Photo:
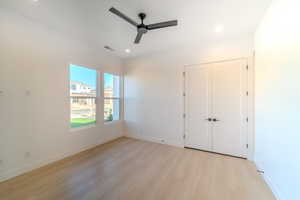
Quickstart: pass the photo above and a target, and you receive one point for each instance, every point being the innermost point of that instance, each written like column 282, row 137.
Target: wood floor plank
column 129, row 169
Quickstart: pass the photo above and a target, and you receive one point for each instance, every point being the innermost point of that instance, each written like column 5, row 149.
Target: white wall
column 34, row 103
column 154, row 87
column 277, row 86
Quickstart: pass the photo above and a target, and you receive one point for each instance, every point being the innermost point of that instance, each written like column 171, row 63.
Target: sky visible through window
column 83, row 74
column 108, row 80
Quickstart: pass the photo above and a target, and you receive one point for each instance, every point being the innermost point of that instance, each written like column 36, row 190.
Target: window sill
column 82, row 128
column 112, row 122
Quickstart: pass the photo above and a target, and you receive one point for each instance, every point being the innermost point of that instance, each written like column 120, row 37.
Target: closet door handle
column 215, row 120
column 209, row 119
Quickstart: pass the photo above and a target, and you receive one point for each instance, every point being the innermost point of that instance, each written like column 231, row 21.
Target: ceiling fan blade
column 138, row 38
column 123, row 16
column 162, row 25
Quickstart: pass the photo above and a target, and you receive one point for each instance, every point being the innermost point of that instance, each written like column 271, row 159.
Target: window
column 83, row 87
column 111, row 97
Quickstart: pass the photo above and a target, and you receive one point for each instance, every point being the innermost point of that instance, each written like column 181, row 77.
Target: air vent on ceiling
column 108, row 48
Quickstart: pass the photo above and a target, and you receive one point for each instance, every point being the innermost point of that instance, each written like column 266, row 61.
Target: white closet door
column 197, row 106
column 229, row 83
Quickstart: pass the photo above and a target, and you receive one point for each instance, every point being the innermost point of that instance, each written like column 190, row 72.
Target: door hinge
column 247, row 93
column 184, row 115
column 247, row 120
column 247, row 67
column 183, row 94
column 183, row 73
column 184, row 136
column 247, row 146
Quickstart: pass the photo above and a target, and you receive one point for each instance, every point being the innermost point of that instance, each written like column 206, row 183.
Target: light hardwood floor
column 128, row 169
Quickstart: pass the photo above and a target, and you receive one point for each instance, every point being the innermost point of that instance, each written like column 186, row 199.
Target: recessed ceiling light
column 127, row 50
column 35, row 0
column 219, row 28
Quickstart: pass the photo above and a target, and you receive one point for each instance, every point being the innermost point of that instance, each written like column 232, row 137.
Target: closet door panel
column 197, row 108
column 228, row 102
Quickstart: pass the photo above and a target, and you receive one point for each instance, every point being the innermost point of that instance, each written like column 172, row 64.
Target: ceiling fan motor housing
column 142, row 28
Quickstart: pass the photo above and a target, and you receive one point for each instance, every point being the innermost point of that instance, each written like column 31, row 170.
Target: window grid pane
column 83, row 89
column 111, row 97
column 83, row 111
column 111, row 85
column 111, row 109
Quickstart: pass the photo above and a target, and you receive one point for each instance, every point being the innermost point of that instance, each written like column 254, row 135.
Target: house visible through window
column 83, row 87
column 111, row 97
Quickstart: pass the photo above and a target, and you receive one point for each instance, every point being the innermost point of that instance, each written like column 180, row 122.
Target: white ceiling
column 90, row 20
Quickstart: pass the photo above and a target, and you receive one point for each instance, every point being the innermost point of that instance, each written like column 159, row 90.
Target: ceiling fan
column 142, row 28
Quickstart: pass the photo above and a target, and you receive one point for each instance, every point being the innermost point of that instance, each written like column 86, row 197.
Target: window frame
column 119, row 98
column 96, row 99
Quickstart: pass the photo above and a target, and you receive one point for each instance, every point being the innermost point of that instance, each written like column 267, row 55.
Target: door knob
column 209, row 119
column 215, row 120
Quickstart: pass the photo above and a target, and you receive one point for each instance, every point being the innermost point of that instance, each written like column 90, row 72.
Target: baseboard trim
column 222, row 154
column 9, row 174
column 170, row 142
column 268, row 179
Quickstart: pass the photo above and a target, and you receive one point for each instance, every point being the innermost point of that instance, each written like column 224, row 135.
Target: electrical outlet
column 28, row 93
column 27, row 155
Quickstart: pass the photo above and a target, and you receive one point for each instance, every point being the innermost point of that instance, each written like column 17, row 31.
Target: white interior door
column 229, row 86
column 197, row 105
column 217, row 91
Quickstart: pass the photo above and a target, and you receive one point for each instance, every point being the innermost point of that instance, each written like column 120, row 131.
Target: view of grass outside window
column 111, row 97
column 83, row 82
